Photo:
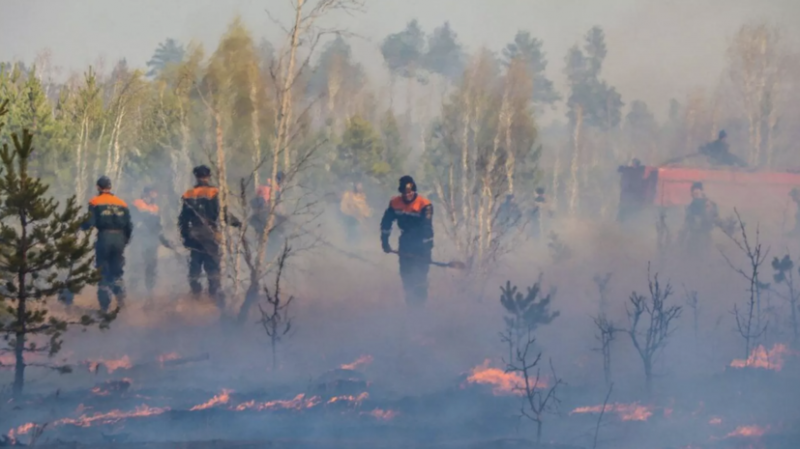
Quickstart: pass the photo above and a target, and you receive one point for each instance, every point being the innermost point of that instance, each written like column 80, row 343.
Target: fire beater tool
column 452, row 264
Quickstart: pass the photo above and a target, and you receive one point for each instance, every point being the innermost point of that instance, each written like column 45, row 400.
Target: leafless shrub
column 749, row 330
column 605, row 337
column 275, row 317
column 658, row 317
column 693, row 303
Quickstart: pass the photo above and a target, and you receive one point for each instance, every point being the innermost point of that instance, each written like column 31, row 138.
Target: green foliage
column 395, row 152
column 403, row 51
column 445, row 55
column 360, row 152
column 168, row 53
column 42, row 252
column 529, row 50
column 529, row 311
column 601, row 104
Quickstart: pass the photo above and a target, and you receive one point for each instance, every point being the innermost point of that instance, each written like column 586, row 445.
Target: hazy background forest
column 649, row 104
column 476, row 100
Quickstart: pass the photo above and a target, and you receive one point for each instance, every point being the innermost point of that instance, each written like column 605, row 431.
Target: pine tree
column 168, row 53
column 38, row 244
column 360, row 151
column 445, row 55
column 528, row 49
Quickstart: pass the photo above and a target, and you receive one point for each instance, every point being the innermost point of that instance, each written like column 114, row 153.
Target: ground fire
column 761, row 358
column 365, row 224
column 502, row 383
column 626, row 412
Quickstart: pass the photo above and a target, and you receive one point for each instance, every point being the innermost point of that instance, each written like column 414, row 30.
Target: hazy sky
column 658, row 49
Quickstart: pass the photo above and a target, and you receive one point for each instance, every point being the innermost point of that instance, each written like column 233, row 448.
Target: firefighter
column 540, row 207
column 795, row 196
column 261, row 205
column 414, row 215
column 148, row 224
column 201, row 231
column 702, row 216
column 355, row 211
column 112, row 219
column 719, row 153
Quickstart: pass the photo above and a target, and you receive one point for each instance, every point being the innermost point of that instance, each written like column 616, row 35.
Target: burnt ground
column 118, row 412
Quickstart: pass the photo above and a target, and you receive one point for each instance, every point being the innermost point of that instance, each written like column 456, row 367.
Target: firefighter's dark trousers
column 150, row 262
column 110, row 260
column 352, row 229
column 415, row 257
column 205, row 257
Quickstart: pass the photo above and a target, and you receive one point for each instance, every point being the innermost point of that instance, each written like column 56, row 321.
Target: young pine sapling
column 38, row 243
column 654, row 313
column 524, row 314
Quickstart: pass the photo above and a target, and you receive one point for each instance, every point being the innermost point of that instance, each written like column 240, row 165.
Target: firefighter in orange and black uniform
column 112, row 219
column 148, row 222
column 414, row 215
column 200, row 231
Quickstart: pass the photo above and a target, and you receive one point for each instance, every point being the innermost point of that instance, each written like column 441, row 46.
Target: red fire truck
column 761, row 194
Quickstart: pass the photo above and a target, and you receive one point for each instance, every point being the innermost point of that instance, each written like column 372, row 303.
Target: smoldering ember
column 599, row 224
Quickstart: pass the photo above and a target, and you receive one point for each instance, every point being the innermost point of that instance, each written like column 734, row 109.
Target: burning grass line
column 502, row 383
column 626, row 412
column 762, row 359
column 748, row 432
column 96, row 419
column 219, row 399
column 361, row 361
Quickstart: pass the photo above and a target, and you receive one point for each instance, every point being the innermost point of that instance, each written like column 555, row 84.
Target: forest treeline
column 463, row 121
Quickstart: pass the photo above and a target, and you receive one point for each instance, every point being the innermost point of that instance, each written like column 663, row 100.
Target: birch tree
column 757, row 68
column 485, row 130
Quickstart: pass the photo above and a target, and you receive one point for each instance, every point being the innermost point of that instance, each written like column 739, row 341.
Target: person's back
column 112, row 219
column 199, row 217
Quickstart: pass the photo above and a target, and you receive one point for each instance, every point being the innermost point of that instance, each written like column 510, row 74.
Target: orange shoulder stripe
column 206, row 192
column 397, row 202
column 415, row 206
column 144, row 207
column 107, row 199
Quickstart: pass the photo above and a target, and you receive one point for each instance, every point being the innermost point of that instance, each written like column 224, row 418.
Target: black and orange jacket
column 146, row 216
column 201, row 210
column 415, row 219
column 107, row 212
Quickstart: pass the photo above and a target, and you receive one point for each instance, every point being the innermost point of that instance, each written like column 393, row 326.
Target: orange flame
column 361, row 361
column 354, row 399
column 748, row 432
column 219, row 399
column 21, row 430
column 384, row 415
column 299, row 402
column 761, row 358
column 501, row 381
column 715, row 421
column 626, row 412
column 102, row 418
